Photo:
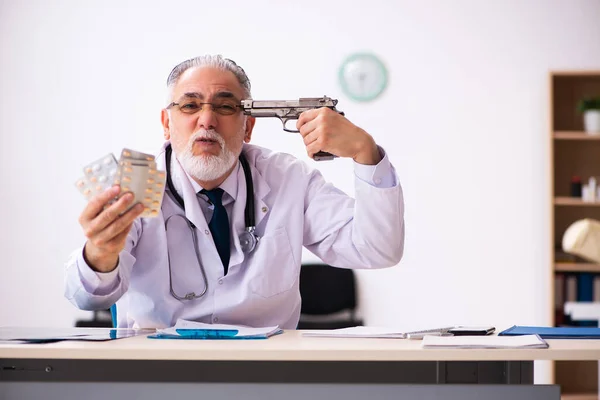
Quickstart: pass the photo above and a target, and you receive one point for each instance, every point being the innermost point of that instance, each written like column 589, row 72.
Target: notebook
column 184, row 329
column 484, row 342
column 563, row 332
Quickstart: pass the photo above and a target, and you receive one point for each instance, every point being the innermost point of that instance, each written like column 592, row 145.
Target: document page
column 377, row 332
column 357, row 332
column 485, row 342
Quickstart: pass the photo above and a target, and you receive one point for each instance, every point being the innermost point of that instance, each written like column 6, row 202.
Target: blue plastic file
column 207, row 333
column 198, row 334
column 184, row 329
column 563, row 332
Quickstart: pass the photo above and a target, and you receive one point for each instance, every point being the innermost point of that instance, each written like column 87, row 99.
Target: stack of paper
column 485, row 342
column 377, row 332
column 358, row 332
column 197, row 330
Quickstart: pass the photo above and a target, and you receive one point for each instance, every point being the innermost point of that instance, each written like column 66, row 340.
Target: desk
column 285, row 366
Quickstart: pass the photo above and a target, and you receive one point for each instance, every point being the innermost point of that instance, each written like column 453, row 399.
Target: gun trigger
column 284, row 121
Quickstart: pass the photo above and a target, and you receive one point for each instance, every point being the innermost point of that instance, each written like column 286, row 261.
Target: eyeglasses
column 193, row 106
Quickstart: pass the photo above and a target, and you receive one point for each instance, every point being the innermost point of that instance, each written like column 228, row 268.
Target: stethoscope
column 248, row 239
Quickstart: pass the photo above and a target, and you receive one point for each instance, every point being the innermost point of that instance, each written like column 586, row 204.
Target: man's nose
column 207, row 118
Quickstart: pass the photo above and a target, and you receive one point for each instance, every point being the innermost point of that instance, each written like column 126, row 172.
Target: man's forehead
column 221, row 94
column 204, row 82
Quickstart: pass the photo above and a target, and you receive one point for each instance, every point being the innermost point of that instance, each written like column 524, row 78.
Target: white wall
column 464, row 120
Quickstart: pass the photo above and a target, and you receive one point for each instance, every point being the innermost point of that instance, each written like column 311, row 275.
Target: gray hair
column 214, row 61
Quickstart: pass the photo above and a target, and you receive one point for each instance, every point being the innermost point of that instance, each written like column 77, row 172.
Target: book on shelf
column 574, row 287
column 585, row 293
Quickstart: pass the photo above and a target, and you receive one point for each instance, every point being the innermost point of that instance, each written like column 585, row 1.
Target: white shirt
column 294, row 207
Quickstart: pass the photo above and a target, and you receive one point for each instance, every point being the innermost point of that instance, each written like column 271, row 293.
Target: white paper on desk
column 358, row 332
column 484, row 342
column 243, row 331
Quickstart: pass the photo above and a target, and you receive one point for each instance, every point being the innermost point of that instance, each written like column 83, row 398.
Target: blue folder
column 563, row 332
column 213, row 334
column 198, row 334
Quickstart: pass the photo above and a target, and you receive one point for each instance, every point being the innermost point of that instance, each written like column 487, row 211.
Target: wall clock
column 363, row 76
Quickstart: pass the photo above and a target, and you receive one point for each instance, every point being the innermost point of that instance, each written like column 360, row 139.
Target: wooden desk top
column 291, row 346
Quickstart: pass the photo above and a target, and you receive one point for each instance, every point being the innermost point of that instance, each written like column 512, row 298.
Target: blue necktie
column 219, row 225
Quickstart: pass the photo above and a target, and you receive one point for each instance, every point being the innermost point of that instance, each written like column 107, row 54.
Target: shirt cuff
column 98, row 283
column 381, row 175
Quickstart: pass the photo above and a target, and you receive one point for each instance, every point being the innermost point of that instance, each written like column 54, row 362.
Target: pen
column 423, row 334
column 434, row 332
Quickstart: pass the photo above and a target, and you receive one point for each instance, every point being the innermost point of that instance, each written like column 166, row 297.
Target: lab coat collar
column 261, row 187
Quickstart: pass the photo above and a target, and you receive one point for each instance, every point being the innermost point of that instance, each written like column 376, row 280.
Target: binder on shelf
column 597, row 288
column 585, row 293
column 571, row 288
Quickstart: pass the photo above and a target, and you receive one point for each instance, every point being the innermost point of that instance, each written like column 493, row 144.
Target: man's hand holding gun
column 326, row 132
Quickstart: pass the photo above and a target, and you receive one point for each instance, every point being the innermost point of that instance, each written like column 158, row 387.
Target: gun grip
column 323, row 156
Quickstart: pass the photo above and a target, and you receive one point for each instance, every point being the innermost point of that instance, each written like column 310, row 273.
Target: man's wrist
column 99, row 264
column 368, row 153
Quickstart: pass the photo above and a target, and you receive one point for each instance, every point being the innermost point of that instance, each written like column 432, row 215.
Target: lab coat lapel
column 261, row 189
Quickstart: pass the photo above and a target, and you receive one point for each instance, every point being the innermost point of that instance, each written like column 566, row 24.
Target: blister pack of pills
column 136, row 173
column 98, row 176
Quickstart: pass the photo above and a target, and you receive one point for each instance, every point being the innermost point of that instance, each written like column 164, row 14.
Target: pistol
column 287, row 110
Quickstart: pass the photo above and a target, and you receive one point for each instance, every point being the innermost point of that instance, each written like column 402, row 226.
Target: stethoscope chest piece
column 248, row 240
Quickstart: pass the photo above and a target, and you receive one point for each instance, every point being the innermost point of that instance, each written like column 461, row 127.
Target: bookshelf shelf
column 576, row 267
column 574, row 201
column 574, row 135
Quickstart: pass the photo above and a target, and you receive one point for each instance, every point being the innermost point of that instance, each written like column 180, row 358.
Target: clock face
column 363, row 77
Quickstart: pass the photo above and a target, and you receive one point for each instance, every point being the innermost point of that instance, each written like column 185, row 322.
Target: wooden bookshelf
column 573, row 152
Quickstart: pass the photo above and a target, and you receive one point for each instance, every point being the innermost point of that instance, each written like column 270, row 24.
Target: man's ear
column 166, row 123
column 250, row 121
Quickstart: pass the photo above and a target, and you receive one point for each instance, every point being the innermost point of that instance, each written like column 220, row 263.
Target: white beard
column 207, row 167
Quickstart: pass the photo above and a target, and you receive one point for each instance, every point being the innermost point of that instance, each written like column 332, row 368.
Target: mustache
column 209, row 134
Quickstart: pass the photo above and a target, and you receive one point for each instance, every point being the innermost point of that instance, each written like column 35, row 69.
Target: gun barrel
column 305, row 103
column 282, row 112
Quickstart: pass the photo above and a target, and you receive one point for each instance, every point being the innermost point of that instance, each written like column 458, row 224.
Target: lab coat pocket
column 274, row 268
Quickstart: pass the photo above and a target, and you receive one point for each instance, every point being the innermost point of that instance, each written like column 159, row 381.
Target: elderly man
column 197, row 260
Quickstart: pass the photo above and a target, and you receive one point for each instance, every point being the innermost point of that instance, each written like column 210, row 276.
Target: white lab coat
column 294, row 207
